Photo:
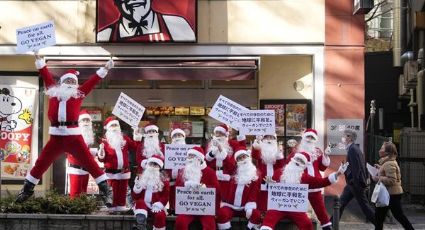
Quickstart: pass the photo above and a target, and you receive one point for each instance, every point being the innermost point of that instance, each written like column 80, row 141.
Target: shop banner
column 175, row 155
column 288, row 197
column 16, row 121
column 35, row 37
column 257, row 122
column 128, row 110
column 227, row 111
column 195, row 202
column 336, row 129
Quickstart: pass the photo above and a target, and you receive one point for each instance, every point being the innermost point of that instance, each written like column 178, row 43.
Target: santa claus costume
column 65, row 136
column 149, row 146
column 220, row 153
column 151, row 190
column 318, row 162
column 178, row 137
column 239, row 195
column 266, row 152
column 293, row 173
column 196, row 174
column 78, row 176
column 113, row 152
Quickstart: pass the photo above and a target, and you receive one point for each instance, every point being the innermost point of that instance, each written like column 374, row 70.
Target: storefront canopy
column 162, row 69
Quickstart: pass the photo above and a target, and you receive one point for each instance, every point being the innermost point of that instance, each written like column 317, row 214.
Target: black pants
column 351, row 192
column 397, row 211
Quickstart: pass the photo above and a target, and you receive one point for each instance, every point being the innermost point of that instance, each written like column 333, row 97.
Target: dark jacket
column 356, row 171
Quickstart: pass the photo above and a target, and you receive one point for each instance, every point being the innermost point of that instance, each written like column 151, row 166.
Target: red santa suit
column 65, row 135
column 299, row 218
column 209, row 179
column 116, row 165
column 78, row 176
column 318, row 162
column 240, row 199
column 151, row 200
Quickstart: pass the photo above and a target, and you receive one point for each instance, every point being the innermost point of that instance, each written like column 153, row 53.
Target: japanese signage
column 257, row 122
column 35, row 37
column 296, row 119
column 288, row 197
column 227, row 111
column 195, row 202
column 175, row 155
column 335, row 130
column 128, row 110
column 16, row 123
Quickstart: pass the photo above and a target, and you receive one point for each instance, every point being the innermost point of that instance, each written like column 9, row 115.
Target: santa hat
column 83, row 115
column 110, row 121
column 150, row 127
column 197, row 151
column 72, row 73
column 175, row 131
column 222, row 128
column 272, row 134
column 157, row 159
column 303, row 156
column 241, row 151
column 310, row 132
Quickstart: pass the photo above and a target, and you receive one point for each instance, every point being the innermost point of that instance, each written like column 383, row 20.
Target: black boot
column 25, row 192
column 105, row 192
column 329, row 227
column 140, row 222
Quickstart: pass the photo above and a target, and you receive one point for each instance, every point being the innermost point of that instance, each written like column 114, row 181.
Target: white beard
column 292, row 173
column 87, row 133
column 192, row 171
column 178, row 141
column 246, row 172
column 64, row 91
column 151, row 145
column 269, row 151
column 310, row 148
column 151, row 177
column 224, row 144
column 115, row 138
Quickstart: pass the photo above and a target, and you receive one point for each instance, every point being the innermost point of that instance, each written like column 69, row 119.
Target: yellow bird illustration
column 26, row 116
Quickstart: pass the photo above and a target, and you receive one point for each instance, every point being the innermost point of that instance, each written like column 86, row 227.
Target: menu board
column 181, row 111
column 197, row 111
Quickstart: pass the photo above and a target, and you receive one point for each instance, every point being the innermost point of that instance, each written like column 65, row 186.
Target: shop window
column 145, row 84
column 168, row 84
column 245, row 84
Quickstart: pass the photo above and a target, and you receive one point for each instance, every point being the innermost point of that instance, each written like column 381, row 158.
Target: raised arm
column 45, row 74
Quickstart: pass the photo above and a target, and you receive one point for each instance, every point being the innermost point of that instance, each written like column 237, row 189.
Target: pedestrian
column 389, row 174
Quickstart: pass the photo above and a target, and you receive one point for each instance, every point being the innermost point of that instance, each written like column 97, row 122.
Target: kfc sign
column 146, row 21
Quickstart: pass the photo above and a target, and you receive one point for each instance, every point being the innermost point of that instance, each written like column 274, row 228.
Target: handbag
column 380, row 195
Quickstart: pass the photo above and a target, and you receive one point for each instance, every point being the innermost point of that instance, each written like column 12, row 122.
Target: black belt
column 64, row 123
column 114, row 171
column 218, row 168
column 77, row 167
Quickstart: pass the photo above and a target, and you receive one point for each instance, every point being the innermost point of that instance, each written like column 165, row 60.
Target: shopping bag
column 380, row 195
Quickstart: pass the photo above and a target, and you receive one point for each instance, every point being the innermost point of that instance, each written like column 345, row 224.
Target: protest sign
column 128, row 110
column 35, row 37
column 227, row 111
column 288, row 197
column 175, row 155
column 336, row 129
column 195, row 202
column 257, row 122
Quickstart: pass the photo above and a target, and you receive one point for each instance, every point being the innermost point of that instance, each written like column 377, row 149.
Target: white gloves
column 109, row 64
column 137, row 188
column 157, row 207
column 248, row 213
column 192, row 184
column 93, row 151
column 268, row 180
column 137, row 136
column 221, row 176
column 328, row 151
column 101, row 152
column 240, row 137
column 104, row 70
column 343, row 167
column 256, row 144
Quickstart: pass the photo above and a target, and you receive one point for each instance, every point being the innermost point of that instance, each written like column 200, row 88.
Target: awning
column 162, row 69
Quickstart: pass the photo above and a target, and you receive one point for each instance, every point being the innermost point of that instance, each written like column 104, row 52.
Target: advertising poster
column 335, row 130
column 296, row 119
column 280, row 117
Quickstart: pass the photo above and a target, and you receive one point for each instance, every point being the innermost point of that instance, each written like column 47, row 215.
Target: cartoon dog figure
column 8, row 105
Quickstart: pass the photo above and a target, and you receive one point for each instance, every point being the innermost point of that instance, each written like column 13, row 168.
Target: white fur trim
column 102, row 72
column 64, row 131
column 240, row 152
column 300, row 155
column 156, row 160
column 240, row 137
column 208, row 157
column 237, row 208
column 326, row 160
column 32, row 179
column 83, row 116
column 62, row 111
column 113, row 122
column 75, row 171
column 279, row 156
column 101, row 178
column 327, row 224
column 333, row 178
column 238, row 195
column 310, row 134
column 151, row 127
column 155, row 228
column 250, row 205
column 266, row 228
column 220, row 129
column 118, row 176
column 68, row 75
column 159, row 205
column 252, row 225
column 310, row 168
column 40, row 63
column 226, row 225
column 140, row 211
column 121, row 208
column 196, row 153
column 148, row 197
column 120, row 158
column 93, row 151
column 175, row 131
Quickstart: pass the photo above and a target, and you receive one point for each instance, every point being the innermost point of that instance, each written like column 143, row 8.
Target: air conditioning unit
column 410, row 71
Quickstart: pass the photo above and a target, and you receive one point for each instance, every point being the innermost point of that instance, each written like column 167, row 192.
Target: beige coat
column 390, row 175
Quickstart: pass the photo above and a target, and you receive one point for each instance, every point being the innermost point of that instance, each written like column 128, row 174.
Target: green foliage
column 52, row 203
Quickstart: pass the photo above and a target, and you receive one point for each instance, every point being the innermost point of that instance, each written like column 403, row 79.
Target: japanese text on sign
column 336, row 129
column 227, row 111
column 288, row 197
column 35, row 37
column 195, row 202
column 257, row 122
column 175, row 155
column 128, row 110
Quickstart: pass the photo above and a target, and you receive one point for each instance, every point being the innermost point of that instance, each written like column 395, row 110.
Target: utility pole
column 372, row 117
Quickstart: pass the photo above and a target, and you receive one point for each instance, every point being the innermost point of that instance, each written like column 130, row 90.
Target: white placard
column 227, row 111
column 195, row 202
column 288, row 197
column 128, row 110
column 336, row 129
column 35, row 37
column 372, row 170
column 175, row 155
column 257, row 122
